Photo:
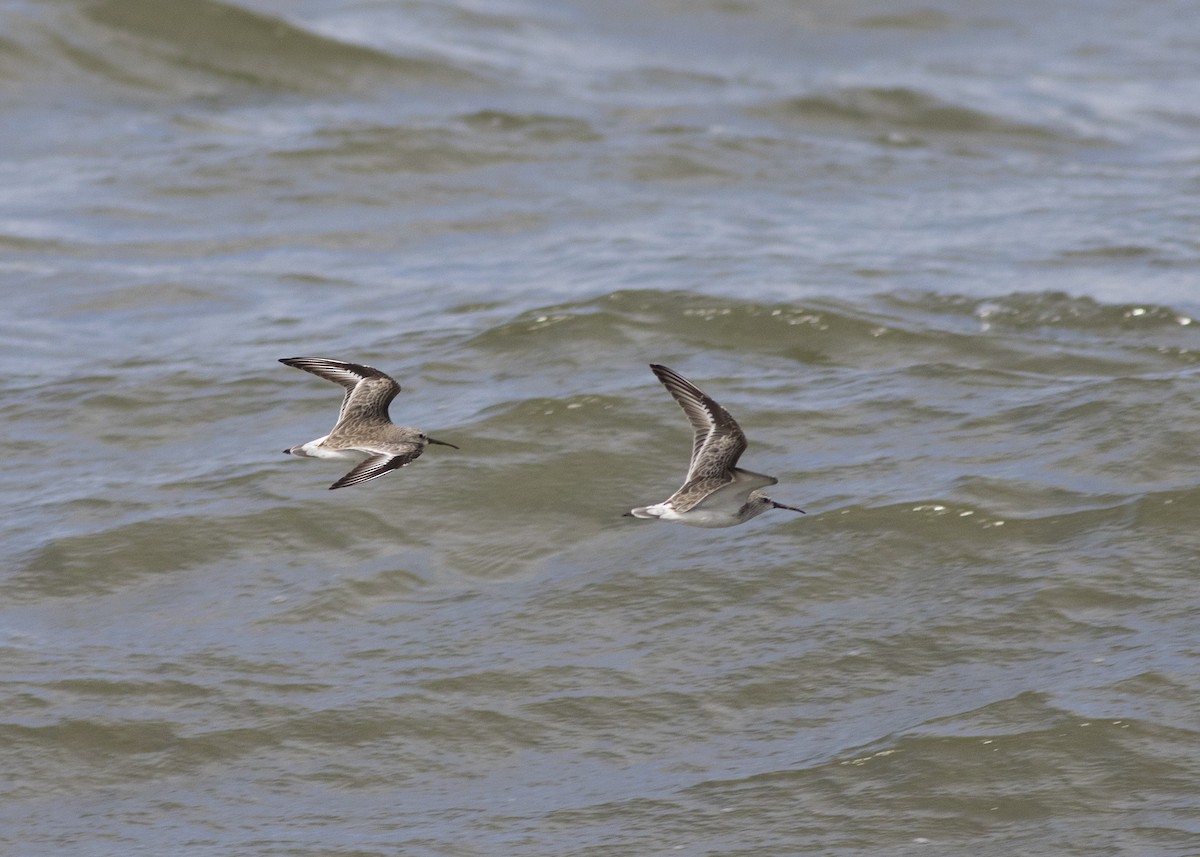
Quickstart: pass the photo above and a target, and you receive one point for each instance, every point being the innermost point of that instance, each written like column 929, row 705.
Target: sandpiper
column 717, row 493
column 363, row 432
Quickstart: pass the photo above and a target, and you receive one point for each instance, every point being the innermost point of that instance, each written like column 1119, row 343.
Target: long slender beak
column 440, row 443
column 789, row 508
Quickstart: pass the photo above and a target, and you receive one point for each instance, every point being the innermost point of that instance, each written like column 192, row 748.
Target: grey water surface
column 940, row 259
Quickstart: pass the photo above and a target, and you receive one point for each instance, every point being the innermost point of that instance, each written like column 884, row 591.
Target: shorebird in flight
column 363, row 433
column 717, row 493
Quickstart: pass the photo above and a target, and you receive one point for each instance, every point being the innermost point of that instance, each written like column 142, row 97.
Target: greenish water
column 939, row 262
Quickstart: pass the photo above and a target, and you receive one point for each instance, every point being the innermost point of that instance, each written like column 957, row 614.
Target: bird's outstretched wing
column 719, row 441
column 376, row 466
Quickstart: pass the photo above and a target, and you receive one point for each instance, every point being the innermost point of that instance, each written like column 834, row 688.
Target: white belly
column 702, row 518
column 314, row 449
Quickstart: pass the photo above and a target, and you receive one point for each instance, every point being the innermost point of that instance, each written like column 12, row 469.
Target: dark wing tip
column 703, row 411
column 665, row 374
column 327, row 362
column 668, row 376
column 660, row 370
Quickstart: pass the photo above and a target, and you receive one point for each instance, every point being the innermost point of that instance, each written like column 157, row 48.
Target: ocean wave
column 885, row 109
column 206, row 48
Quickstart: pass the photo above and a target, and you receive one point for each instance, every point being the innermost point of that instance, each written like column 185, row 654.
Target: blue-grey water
column 941, row 260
